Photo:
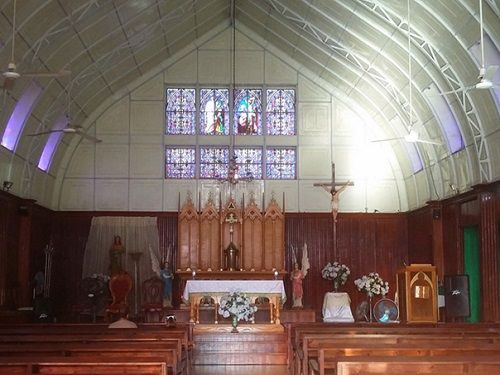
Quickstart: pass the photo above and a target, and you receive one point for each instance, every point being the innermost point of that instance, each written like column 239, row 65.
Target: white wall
column 126, row 170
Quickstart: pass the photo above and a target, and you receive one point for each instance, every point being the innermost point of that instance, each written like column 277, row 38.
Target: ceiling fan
column 69, row 128
column 11, row 74
column 412, row 136
column 486, row 74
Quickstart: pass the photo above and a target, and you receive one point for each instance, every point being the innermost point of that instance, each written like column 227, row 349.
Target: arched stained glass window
column 280, row 112
column 281, row 164
column 214, row 111
column 248, row 112
column 249, row 162
column 181, row 111
column 180, row 162
column 214, row 162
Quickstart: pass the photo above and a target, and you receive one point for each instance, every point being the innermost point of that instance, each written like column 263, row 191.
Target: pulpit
column 417, row 293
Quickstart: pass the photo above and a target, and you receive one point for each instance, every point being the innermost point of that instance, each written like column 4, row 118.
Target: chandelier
column 233, row 175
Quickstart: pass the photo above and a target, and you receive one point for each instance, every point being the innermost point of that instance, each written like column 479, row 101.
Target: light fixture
column 7, row 185
column 233, row 175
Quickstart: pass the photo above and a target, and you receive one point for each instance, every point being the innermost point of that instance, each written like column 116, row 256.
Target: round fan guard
column 386, row 311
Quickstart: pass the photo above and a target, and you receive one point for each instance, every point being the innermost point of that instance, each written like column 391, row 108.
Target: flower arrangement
column 336, row 272
column 237, row 305
column 372, row 284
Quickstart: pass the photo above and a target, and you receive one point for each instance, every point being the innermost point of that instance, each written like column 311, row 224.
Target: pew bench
column 418, row 365
column 328, row 358
column 312, row 343
column 90, row 365
column 103, row 351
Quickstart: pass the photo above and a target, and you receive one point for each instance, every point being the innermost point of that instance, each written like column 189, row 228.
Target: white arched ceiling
column 357, row 48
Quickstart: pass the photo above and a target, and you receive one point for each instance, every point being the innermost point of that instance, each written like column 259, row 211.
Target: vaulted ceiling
column 359, row 50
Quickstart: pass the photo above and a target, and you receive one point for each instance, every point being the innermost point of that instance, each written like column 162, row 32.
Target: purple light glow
column 415, row 160
column 52, row 142
column 19, row 115
column 446, row 119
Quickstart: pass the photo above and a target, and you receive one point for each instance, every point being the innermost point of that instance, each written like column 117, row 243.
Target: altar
column 196, row 290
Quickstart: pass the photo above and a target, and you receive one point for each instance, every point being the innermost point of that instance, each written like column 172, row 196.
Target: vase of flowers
column 336, row 272
column 237, row 306
column 372, row 284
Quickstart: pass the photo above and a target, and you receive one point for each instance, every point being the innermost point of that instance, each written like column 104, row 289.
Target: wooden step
column 224, row 348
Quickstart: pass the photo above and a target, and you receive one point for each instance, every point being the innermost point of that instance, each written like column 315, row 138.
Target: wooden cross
column 334, row 193
column 331, row 186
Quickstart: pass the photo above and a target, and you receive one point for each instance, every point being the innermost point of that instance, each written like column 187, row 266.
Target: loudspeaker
column 456, row 296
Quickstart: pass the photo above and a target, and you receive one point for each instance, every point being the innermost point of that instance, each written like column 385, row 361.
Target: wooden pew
column 76, row 338
column 328, row 358
column 167, row 351
column 80, row 333
column 89, row 365
column 418, row 365
column 312, row 342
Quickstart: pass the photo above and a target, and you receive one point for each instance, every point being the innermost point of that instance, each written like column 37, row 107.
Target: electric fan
column 386, row 311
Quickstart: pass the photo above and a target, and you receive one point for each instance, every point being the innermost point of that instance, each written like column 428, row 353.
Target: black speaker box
column 456, row 296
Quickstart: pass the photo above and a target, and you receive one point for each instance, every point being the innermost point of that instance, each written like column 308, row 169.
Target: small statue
column 298, row 275
column 161, row 267
column 167, row 277
column 115, row 256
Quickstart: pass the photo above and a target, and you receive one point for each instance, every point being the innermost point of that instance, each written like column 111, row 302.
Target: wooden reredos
column 203, row 236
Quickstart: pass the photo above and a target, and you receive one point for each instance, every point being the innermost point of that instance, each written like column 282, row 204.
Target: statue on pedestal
column 166, row 277
column 297, row 276
column 115, row 256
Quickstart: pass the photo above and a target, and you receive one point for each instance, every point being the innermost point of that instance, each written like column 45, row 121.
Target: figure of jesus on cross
column 331, row 188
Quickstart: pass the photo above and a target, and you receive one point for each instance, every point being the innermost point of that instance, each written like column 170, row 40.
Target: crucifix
column 331, row 188
column 231, row 252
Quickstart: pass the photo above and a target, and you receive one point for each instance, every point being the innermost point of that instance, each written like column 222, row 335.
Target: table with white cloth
column 196, row 290
column 336, row 308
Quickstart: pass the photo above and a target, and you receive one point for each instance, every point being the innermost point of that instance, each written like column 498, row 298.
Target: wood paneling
column 365, row 242
column 420, row 239
column 9, row 239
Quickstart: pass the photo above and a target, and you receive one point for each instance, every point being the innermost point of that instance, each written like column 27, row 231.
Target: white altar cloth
column 336, row 308
column 211, row 287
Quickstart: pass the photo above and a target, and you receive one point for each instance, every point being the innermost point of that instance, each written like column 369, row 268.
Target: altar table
column 196, row 290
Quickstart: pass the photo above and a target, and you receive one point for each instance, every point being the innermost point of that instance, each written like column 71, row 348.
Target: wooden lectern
column 417, row 293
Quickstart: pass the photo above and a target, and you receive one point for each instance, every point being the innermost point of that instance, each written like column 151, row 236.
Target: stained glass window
column 180, row 162
column 248, row 112
column 280, row 112
column 280, row 163
column 249, row 162
column 214, row 162
column 214, row 111
column 180, row 111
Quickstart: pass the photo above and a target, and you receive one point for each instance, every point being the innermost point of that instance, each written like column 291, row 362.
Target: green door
column 471, row 268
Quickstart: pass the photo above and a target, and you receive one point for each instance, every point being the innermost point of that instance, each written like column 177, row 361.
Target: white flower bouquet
column 237, row 305
column 336, row 272
column 372, row 284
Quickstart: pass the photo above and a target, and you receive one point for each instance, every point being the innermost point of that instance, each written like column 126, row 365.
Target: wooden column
column 488, row 234
column 24, row 297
